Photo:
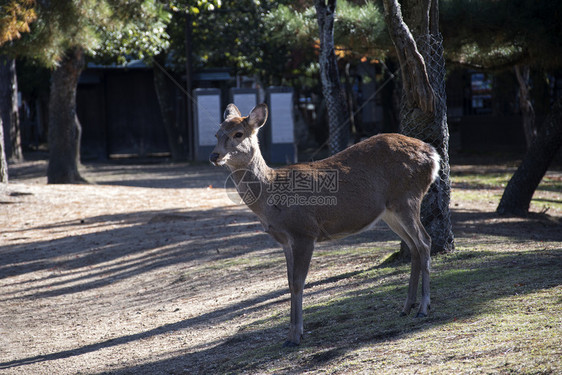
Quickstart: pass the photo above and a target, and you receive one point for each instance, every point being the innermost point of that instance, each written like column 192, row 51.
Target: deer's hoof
column 290, row 344
column 406, row 313
column 421, row 315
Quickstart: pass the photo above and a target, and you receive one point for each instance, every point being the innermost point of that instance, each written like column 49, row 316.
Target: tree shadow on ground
column 470, row 223
column 366, row 315
column 168, row 176
column 143, row 241
column 155, row 174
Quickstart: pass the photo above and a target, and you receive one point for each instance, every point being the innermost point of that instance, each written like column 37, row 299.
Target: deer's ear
column 258, row 116
column 231, row 111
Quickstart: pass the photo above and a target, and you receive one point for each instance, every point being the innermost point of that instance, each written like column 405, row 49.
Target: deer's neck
column 260, row 169
column 252, row 180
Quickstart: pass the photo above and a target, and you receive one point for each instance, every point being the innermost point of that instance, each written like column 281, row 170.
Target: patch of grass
column 476, row 196
column 493, row 312
column 480, row 180
column 241, row 263
column 488, row 187
column 551, row 183
column 496, row 302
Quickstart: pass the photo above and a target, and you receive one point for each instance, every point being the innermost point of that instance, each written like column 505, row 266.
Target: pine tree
column 61, row 37
column 517, row 35
column 414, row 29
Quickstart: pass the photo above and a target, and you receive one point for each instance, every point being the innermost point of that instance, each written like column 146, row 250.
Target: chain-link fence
column 432, row 128
column 338, row 124
column 428, row 127
column 338, row 136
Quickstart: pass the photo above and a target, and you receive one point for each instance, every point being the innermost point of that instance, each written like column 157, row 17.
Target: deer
column 383, row 178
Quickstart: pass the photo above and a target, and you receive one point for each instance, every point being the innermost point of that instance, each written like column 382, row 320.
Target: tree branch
column 417, row 88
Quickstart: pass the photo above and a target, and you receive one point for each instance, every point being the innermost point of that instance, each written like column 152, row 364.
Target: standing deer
column 382, row 178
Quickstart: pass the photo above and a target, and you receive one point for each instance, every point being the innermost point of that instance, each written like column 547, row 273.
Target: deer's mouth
column 217, row 159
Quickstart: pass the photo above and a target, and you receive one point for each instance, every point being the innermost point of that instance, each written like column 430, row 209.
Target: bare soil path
column 154, row 270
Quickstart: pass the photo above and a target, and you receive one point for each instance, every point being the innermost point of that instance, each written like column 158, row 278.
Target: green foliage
column 292, row 27
column 137, row 31
column 224, row 34
column 502, row 33
column 102, row 28
column 231, row 36
column 359, row 30
column 269, row 38
column 61, row 25
column 195, row 7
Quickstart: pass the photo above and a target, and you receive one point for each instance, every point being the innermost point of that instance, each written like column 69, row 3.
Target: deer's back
column 391, row 160
column 379, row 173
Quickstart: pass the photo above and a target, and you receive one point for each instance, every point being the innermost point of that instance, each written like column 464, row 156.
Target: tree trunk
column 9, row 109
column 64, row 128
column 3, row 163
column 424, row 105
column 523, row 77
column 175, row 131
column 350, row 100
column 331, row 87
column 519, row 191
column 417, row 89
column 188, row 85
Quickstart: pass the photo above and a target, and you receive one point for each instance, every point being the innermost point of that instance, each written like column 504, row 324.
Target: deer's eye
column 238, row 135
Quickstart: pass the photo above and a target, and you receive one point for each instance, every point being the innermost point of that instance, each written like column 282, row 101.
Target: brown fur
column 384, row 177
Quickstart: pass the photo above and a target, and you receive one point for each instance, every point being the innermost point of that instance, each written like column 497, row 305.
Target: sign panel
column 245, row 101
column 281, row 112
column 209, row 119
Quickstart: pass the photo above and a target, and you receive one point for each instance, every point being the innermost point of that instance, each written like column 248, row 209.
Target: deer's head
column 237, row 140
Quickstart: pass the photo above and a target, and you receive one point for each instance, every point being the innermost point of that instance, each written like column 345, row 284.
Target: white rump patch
column 436, row 165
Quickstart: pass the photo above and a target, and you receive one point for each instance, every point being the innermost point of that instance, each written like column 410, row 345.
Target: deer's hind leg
column 406, row 224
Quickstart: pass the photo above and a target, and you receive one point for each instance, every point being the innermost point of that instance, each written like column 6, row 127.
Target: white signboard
column 209, row 118
column 281, row 113
column 245, row 102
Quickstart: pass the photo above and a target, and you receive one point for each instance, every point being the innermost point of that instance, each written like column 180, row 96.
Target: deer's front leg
column 298, row 253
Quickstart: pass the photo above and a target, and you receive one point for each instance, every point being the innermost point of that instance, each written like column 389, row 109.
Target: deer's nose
column 214, row 157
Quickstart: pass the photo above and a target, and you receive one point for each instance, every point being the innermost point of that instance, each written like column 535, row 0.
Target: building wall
column 120, row 114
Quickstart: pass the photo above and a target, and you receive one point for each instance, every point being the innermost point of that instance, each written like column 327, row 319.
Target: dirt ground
column 151, row 269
